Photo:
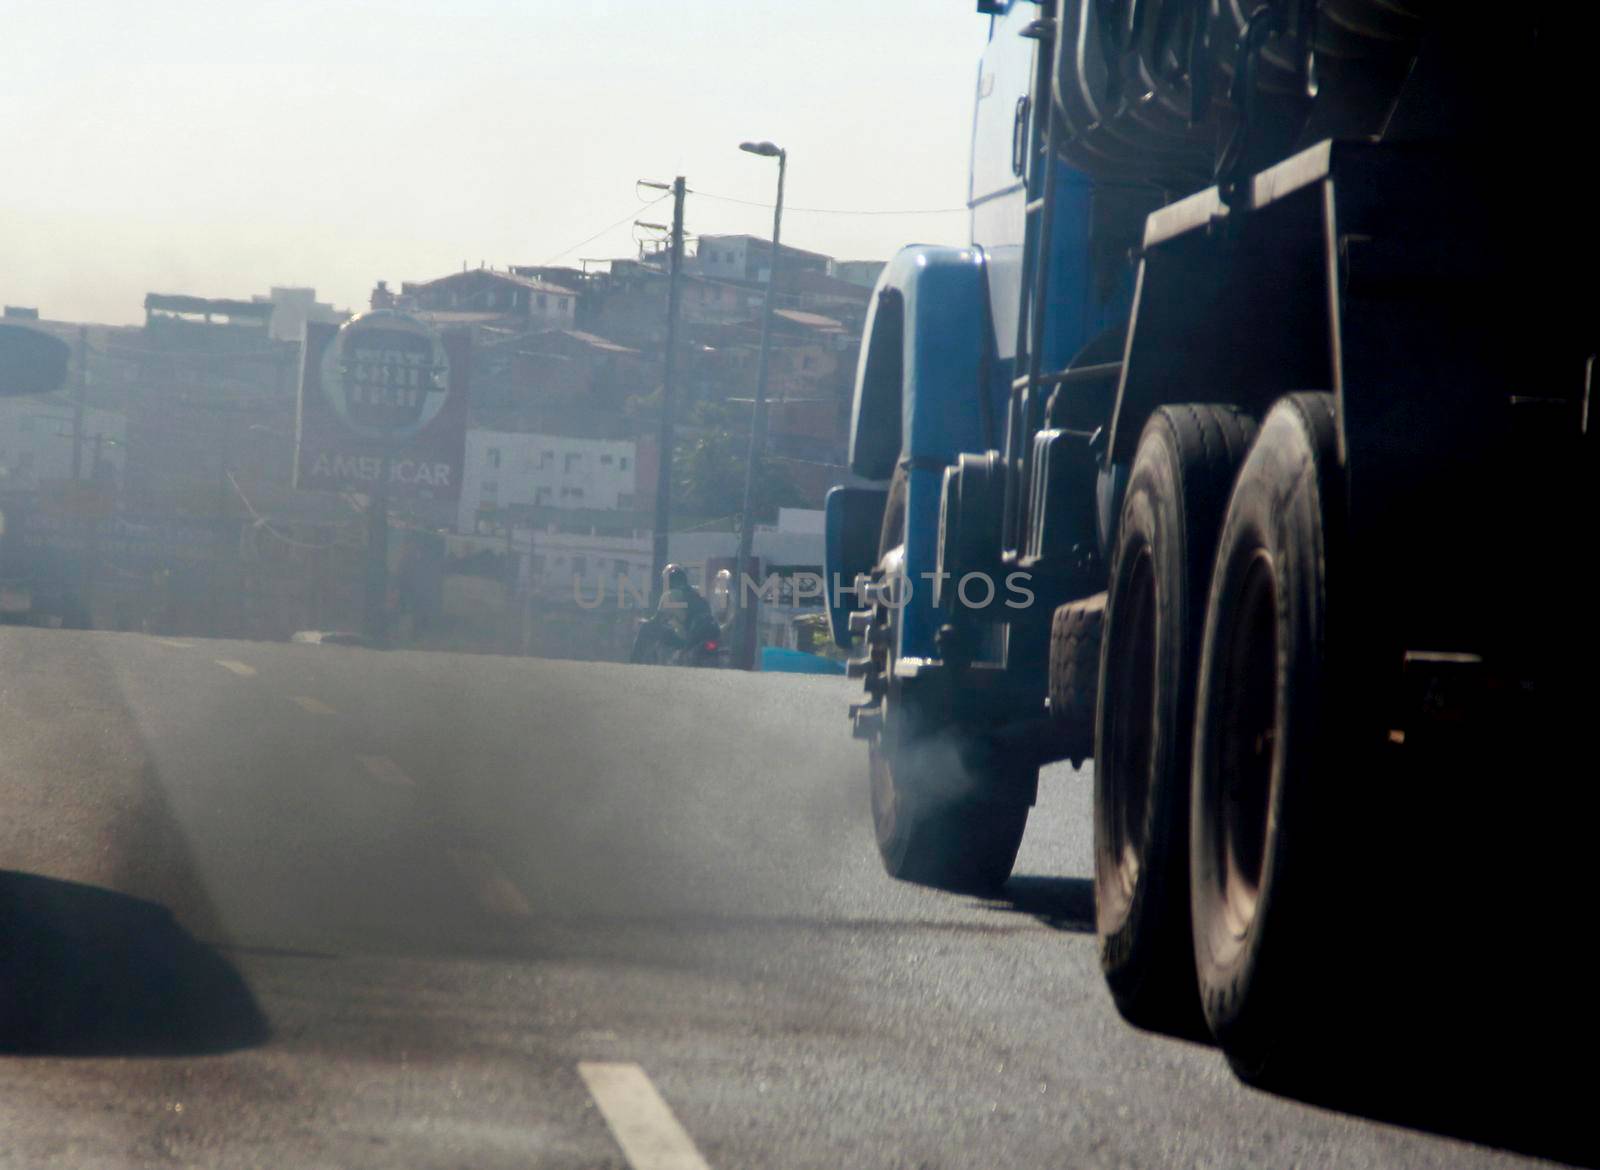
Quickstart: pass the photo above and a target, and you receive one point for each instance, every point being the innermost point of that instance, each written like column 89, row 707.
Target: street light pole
column 665, row 434
column 745, row 642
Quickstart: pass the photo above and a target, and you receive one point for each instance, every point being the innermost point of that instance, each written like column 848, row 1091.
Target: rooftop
column 492, row 274
column 210, row 306
column 810, row 320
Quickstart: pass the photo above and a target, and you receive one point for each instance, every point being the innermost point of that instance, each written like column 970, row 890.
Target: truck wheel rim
column 1248, row 744
column 1127, row 790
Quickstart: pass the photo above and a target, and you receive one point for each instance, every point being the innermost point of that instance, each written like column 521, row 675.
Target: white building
column 505, row 469
column 36, row 439
column 293, row 307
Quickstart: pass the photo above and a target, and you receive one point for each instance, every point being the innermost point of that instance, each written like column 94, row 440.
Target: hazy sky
column 221, row 146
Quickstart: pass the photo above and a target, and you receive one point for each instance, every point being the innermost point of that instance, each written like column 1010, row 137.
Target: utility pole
column 665, row 440
column 745, row 640
column 91, row 560
column 78, row 407
column 377, row 591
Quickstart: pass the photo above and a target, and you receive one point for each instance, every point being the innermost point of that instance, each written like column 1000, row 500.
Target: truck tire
column 1075, row 630
column 1160, row 566
column 939, row 820
column 944, row 813
column 1267, row 743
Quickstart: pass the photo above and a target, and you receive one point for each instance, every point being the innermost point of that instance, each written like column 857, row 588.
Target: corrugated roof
column 810, row 320
column 595, row 341
column 221, row 306
column 504, row 277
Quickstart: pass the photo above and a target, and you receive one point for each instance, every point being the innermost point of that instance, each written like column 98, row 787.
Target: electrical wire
column 608, row 228
column 262, row 523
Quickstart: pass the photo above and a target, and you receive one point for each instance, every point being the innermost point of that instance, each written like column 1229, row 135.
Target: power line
column 608, row 228
column 262, row 523
column 835, row 210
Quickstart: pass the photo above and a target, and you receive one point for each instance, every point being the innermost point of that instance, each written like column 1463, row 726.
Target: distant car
column 329, row 638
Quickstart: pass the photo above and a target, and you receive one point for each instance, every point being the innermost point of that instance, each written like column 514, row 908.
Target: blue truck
column 1246, row 450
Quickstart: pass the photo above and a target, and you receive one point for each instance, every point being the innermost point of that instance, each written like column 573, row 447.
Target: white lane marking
column 238, row 668
column 312, row 706
column 650, row 1136
column 386, row 771
column 174, row 643
column 495, row 893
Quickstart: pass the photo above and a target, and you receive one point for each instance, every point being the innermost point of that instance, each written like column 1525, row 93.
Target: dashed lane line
column 386, row 771
column 650, row 1136
column 312, row 706
column 495, row 893
column 238, row 668
column 174, row 643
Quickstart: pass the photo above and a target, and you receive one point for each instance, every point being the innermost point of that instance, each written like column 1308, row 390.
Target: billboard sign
column 382, row 388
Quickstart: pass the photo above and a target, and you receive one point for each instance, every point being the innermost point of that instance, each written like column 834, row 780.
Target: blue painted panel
column 946, row 332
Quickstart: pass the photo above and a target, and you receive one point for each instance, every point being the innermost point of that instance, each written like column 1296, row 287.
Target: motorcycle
column 657, row 644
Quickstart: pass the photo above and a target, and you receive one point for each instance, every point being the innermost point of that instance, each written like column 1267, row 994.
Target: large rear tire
column 1267, row 752
column 1177, row 490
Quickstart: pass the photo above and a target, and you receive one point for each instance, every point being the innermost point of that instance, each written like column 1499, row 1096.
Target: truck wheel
column 945, row 813
column 940, row 820
column 1075, row 630
column 1161, row 563
column 1265, row 741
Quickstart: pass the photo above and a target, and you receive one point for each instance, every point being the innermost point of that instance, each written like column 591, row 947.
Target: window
column 541, row 496
column 564, row 304
column 491, row 487
column 494, row 457
column 580, row 566
column 605, row 461
column 574, row 461
column 546, row 458
column 542, row 300
column 623, row 465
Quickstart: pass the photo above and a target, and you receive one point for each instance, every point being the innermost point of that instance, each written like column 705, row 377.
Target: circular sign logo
column 386, row 375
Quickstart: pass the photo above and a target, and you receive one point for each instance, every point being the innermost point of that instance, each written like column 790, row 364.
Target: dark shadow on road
column 1061, row 903
column 89, row 972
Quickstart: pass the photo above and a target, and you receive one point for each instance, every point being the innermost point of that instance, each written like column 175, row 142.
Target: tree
column 709, row 478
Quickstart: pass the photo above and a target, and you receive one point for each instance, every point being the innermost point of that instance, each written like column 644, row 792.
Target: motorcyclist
column 681, row 613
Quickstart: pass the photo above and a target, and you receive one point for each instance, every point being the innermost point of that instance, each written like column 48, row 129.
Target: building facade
column 519, row 301
column 38, row 436
column 507, row 471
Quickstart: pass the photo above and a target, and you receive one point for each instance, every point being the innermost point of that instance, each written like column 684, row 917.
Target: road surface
column 304, row 906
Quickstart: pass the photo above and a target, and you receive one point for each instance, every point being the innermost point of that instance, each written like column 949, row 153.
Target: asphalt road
column 301, row 906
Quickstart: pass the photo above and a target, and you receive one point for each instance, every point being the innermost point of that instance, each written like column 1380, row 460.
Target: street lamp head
column 765, row 149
